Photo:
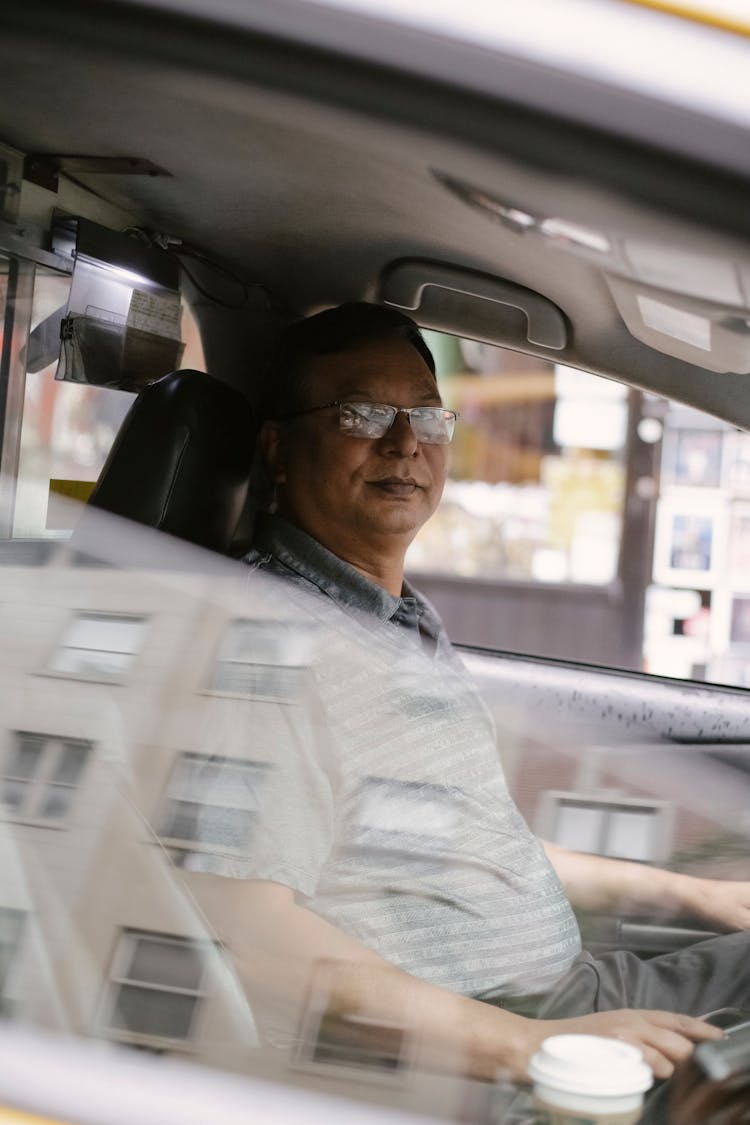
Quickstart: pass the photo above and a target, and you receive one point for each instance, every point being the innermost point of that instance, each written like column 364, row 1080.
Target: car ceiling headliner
column 314, row 196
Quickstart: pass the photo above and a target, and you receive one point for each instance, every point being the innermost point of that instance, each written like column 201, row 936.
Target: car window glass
column 537, row 477
column 67, row 429
column 588, row 521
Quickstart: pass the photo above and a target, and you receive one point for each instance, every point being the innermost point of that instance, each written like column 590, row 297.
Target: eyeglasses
column 432, row 425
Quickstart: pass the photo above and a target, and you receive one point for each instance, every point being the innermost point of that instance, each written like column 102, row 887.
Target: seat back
column 182, row 459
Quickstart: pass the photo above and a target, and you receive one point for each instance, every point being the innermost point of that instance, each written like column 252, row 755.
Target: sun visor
column 121, row 327
column 705, row 333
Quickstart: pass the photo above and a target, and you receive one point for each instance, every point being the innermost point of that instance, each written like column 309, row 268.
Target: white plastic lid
column 590, row 1064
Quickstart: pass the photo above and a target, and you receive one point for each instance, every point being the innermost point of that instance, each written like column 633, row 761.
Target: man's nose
column 400, row 438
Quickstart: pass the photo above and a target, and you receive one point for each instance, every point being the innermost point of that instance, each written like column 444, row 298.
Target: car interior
column 258, row 164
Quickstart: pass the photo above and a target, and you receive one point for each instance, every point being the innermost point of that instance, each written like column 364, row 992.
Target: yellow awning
column 728, row 15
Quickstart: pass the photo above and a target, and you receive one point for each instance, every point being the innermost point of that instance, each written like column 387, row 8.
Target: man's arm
column 597, row 883
column 279, row 945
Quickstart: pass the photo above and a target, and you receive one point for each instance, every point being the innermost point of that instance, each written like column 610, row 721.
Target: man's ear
column 272, row 444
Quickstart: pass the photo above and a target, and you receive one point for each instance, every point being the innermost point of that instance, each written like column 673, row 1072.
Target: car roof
column 310, row 147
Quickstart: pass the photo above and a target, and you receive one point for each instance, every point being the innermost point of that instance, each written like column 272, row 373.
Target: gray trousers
column 693, row 981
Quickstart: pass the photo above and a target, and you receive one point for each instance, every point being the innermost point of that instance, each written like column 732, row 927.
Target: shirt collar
column 312, row 561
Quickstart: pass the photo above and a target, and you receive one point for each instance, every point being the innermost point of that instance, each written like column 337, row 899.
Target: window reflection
column 156, row 986
column 41, row 773
column 262, row 659
column 12, row 924
column 210, row 811
column 99, row 645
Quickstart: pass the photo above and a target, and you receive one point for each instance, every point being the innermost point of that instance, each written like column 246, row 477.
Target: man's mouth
column 396, row 486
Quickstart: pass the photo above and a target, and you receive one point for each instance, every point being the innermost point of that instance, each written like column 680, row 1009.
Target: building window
column 156, row 987
column 347, row 1044
column 11, row 930
column 99, row 646
column 262, row 659
column 621, row 827
column 40, row 775
column 210, row 810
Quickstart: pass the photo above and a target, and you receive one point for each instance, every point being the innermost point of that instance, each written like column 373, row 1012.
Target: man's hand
column 664, row 1038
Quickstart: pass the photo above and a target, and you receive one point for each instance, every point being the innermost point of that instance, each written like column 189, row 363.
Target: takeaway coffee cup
column 589, row 1080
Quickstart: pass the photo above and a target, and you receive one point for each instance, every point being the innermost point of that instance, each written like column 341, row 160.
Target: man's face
column 347, row 490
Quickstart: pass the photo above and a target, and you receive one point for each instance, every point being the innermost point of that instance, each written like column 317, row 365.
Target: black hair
column 326, row 333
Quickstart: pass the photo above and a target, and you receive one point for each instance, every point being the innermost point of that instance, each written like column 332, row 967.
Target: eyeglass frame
column 407, row 410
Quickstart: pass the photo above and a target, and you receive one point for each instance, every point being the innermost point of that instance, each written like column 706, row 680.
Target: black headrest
column 181, row 461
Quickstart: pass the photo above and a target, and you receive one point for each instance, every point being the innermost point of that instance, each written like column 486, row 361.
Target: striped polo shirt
column 389, row 814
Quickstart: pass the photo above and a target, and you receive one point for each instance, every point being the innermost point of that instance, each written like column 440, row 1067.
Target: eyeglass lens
column 431, row 424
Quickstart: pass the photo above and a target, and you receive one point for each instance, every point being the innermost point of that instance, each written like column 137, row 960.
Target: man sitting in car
column 396, row 852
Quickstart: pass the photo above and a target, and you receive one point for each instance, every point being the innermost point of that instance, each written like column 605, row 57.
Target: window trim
column 181, row 844
column 22, row 918
column 41, row 781
column 297, row 669
column 76, row 615
column 124, row 949
column 551, row 800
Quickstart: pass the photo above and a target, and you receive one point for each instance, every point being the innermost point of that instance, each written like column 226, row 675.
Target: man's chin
column 402, row 523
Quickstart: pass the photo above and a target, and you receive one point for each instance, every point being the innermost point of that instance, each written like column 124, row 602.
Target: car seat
column 182, row 460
